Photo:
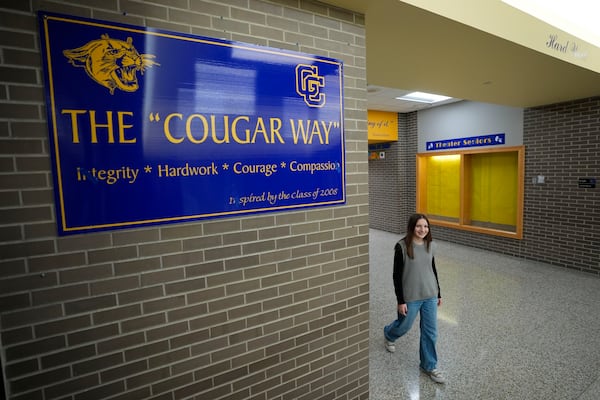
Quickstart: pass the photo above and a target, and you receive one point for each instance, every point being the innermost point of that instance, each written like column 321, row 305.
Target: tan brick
column 189, row 18
column 293, row 241
column 137, row 266
column 333, row 245
column 245, row 335
column 290, row 219
column 56, row 261
column 97, row 364
column 244, row 311
column 293, row 309
column 242, row 262
column 14, row 302
column 261, row 294
column 31, row 315
column 112, row 254
column 27, row 129
column 22, row 215
column 40, row 379
column 257, row 346
column 143, row 322
column 228, row 352
column 205, row 268
column 181, row 231
column 93, row 334
column 114, row 285
column 159, row 248
column 321, row 258
column 295, row 286
column 35, row 348
column 28, row 249
column 222, row 252
column 278, row 325
column 240, row 237
column 187, row 285
column 12, row 267
column 211, row 228
column 22, row 368
column 90, row 304
column 226, row 303
column 205, row 295
column 303, row 229
column 258, row 222
column 307, row 294
column 27, row 282
column 191, row 339
column 68, row 356
column 167, row 331
column 248, row 381
column 207, row 346
column 39, row 230
column 116, row 314
column 259, row 247
column 275, row 256
column 260, row 271
column 222, row 279
column 270, row 233
column 88, row 273
column 147, row 378
column 187, row 312
column 324, row 300
column 84, row 242
column 142, row 294
column 290, row 265
column 136, row 236
column 120, row 342
column 181, row 361
column 162, row 276
column 123, row 369
column 242, row 287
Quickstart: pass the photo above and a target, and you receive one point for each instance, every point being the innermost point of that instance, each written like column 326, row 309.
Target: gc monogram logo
column 309, row 84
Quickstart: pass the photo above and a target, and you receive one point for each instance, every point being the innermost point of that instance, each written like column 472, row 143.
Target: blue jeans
column 428, row 325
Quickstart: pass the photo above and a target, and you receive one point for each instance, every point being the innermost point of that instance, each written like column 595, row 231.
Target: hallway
column 508, row 329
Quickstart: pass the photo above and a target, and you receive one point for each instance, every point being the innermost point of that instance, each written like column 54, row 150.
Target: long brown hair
column 410, row 232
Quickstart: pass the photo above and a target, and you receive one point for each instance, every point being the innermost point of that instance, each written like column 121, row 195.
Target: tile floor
column 508, row 329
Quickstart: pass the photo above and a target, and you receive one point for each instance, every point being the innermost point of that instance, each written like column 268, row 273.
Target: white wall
column 466, row 119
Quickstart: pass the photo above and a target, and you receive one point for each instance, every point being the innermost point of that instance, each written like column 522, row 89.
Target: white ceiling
column 384, row 99
column 411, row 49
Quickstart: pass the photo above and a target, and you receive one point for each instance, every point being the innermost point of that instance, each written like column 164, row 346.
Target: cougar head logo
column 112, row 63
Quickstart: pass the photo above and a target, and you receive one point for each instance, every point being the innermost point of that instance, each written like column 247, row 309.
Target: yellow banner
column 382, row 126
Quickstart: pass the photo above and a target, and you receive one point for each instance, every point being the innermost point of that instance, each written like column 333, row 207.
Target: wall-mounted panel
column 148, row 126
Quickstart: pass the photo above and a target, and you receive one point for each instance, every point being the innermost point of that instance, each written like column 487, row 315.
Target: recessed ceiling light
column 422, row 97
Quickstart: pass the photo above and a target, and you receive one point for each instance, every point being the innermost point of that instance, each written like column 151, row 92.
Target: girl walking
column 417, row 292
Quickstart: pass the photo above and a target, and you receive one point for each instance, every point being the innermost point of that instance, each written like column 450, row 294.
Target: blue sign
column 473, row 141
column 149, row 127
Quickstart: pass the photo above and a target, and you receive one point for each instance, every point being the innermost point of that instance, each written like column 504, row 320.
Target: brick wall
column 392, row 181
column 272, row 306
column 384, row 190
column 561, row 220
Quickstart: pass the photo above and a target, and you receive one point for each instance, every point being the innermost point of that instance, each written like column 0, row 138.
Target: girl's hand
column 402, row 309
column 439, row 301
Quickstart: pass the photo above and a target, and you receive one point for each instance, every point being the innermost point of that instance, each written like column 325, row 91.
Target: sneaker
column 435, row 375
column 389, row 346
